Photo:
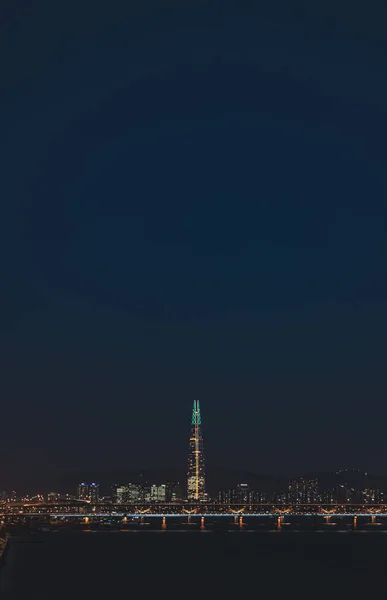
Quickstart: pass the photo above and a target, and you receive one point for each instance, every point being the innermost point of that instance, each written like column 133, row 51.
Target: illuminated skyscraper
column 196, row 476
column 94, row 493
column 83, row 491
column 157, row 493
column 88, row 492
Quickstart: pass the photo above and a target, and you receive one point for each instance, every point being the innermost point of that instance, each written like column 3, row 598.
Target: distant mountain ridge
column 349, row 478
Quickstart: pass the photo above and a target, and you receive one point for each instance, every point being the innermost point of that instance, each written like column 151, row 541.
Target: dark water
column 180, row 564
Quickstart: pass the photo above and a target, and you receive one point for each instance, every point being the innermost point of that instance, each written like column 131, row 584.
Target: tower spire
column 196, row 476
column 196, row 418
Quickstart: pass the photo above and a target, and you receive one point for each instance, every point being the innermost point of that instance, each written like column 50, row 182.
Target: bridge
column 85, row 513
column 81, row 508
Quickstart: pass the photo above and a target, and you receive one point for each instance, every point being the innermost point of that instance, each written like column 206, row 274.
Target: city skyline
column 345, row 487
column 297, row 490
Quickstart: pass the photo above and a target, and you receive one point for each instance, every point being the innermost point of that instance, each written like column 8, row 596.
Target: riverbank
column 4, row 544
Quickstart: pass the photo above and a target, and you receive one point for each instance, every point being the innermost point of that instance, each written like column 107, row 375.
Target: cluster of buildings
column 349, row 495
column 298, row 492
column 168, row 492
column 146, row 493
column 132, row 493
column 301, row 491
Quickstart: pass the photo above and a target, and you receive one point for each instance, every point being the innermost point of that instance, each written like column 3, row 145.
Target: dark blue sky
column 193, row 206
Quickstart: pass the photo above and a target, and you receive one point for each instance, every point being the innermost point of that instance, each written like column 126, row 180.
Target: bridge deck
column 95, row 515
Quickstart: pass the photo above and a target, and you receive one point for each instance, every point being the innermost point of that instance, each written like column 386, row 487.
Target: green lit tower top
column 196, row 418
column 196, row 475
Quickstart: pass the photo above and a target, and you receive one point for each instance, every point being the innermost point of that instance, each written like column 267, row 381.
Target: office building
column 157, row 493
column 94, row 493
column 196, row 475
column 83, row 491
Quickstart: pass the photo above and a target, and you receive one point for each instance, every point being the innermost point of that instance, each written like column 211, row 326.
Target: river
column 174, row 564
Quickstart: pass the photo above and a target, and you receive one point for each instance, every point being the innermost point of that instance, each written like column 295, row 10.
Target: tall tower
column 196, row 476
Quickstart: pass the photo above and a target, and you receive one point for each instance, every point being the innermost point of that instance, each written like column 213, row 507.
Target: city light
column 343, row 493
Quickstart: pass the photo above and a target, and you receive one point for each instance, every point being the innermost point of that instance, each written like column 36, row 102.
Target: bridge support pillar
column 241, row 522
column 142, row 520
column 355, row 521
column 373, row 517
column 164, row 523
column 189, row 519
column 235, row 519
column 86, row 520
column 125, row 520
column 202, row 523
column 327, row 519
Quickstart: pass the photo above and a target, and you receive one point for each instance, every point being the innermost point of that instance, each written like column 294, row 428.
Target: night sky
column 193, row 205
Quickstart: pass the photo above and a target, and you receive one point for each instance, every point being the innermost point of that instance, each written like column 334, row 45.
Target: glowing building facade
column 94, row 493
column 83, row 491
column 196, row 475
column 303, row 491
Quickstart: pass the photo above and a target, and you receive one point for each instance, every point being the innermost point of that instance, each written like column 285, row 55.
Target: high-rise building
column 173, row 492
column 303, row 491
column 88, row 492
column 120, row 494
column 157, row 493
column 145, row 492
column 196, row 475
column 243, row 493
column 134, row 492
column 94, row 493
column 83, row 491
column 130, row 493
